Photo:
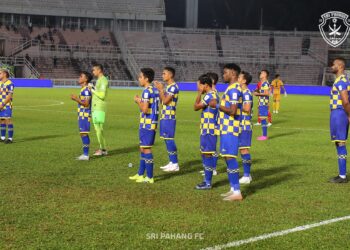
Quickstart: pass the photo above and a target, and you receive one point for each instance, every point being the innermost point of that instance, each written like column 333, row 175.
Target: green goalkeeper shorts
column 98, row 117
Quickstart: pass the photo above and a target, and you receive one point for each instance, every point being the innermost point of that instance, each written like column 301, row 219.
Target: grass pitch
column 48, row 200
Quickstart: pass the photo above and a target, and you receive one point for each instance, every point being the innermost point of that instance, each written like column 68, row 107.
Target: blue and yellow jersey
column 246, row 118
column 84, row 112
column 6, row 88
column 264, row 100
column 209, row 114
column 231, row 124
column 150, row 120
column 169, row 110
column 340, row 84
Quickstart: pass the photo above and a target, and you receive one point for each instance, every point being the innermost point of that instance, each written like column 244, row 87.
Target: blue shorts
column 339, row 125
column 245, row 139
column 208, row 144
column 263, row 111
column 146, row 137
column 167, row 129
column 84, row 125
column 6, row 113
column 229, row 145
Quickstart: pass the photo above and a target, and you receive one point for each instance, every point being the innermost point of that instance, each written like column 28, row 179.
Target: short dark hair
column 87, row 75
column 234, row 67
column 97, row 65
column 247, row 76
column 214, row 77
column 148, row 73
column 342, row 59
column 266, row 71
column 170, row 69
column 205, row 79
column 277, row 75
column 6, row 71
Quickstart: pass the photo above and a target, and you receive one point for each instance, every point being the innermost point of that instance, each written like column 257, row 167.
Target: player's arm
column 282, row 87
column 7, row 100
column 85, row 102
column 198, row 105
column 230, row 110
column 345, row 100
column 265, row 93
column 247, row 106
column 143, row 102
column 101, row 94
column 166, row 99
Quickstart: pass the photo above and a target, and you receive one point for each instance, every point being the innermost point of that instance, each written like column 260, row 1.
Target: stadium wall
column 188, row 86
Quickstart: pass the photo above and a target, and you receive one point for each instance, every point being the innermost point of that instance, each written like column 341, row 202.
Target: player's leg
column 84, row 128
column 167, row 133
column 10, row 130
column 98, row 120
column 208, row 147
column 339, row 132
column 263, row 112
column 3, row 129
column 245, row 144
column 274, row 105
column 142, row 166
column 278, row 102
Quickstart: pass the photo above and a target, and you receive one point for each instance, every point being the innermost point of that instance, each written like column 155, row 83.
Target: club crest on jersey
column 334, row 27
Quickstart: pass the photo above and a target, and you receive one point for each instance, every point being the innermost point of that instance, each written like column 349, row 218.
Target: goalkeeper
column 276, row 87
column 99, row 94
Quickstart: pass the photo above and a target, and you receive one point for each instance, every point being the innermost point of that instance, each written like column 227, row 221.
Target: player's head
column 168, row 74
column 97, row 70
column 4, row 74
column 231, row 72
column 146, row 76
column 244, row 78
column 264, row 75
column 338, row 65
column 205, row 82
column 85, row 77
column 277, row 76
column 214, row 77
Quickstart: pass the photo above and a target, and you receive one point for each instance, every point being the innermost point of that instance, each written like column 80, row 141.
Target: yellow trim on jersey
column 233, row 156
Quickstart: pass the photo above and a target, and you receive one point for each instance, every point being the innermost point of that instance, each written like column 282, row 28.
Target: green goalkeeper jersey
column 99, row 95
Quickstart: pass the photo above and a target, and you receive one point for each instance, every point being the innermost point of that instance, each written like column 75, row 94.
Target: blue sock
column 86, row 144
column 215, row 159
column 142, row 167
column 342, row 154
column 3, row 130
column 149, row 164
column 247, row 162
column 264, row 127
column 208, row 169
column 10, row 131
column 233, row 173
column 172, row 150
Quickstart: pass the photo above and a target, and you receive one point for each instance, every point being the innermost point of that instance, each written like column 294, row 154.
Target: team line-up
column 228, row 117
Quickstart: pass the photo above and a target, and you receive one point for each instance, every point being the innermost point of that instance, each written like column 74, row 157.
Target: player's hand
column 73, row 97
column 1, row 107
column 158, row 85
column 255, row 93
column 137, row 98
column 91, row 86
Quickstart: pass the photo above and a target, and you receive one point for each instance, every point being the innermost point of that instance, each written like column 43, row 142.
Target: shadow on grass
column 39, row 138
column 259, row 178
column 119, row 151
column 185, row 168
column 283, row 134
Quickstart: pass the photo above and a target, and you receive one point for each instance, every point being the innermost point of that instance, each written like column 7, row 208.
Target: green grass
column 50, row 201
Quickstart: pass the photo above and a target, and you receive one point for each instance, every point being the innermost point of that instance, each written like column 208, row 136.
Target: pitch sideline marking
column 278, row 233
column 57, row 103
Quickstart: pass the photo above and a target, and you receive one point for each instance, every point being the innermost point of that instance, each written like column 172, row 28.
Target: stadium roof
column 121, row 9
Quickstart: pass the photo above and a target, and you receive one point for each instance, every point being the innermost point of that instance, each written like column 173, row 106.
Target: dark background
column 245, row 14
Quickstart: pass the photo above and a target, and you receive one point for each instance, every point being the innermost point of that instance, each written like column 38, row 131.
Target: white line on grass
column 278, row 233
column 57, row 103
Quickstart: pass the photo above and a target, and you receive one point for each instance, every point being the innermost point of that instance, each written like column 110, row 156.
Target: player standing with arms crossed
column 6, row 95
column 340, row 116
column 229, row 122
column 99, row 105
column 169, row 98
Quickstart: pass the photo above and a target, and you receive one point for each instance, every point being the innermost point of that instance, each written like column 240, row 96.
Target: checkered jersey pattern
column 169, row 110
column 150, row 120
column 6, row 88
column 209, row 114
column 84, row 112
column 340, row 84
column 264, row 100
column 246, row 124
column 231, row 124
